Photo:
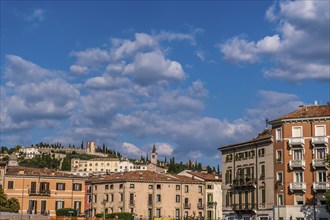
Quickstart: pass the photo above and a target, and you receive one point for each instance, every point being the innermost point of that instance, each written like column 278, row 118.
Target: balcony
column 321, row 186
column 131, row 203
column 296, row 142
column 245, row 207
column 297, row 186
column 186, row 205
column 200, row 206
column 298, row 164
column 319, row 163
column 43, row 192
column 149, row 203
column 320, row 140
column 246, row 182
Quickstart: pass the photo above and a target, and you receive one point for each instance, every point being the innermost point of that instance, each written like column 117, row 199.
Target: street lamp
column 103, row 203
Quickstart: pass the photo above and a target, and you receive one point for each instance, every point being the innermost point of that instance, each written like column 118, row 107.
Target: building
column 248, row 186
column 212, row 194
column 300, row 170
column 42, row 191
column 147, row 194
column 29, row 152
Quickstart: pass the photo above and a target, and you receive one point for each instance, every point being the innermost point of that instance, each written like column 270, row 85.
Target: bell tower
column 154, row 156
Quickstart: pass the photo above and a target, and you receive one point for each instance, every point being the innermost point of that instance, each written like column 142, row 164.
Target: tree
column 327, row 201
column 8, row 205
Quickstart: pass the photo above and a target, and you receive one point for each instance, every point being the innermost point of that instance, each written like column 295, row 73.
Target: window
column 59, row 205
column 121, row 186
column 186, row 189
column 319, row 130
column 278, row 134
column 278, row 156
column 262, row 171
column 296, row 131
column 77, row 206
column 177, row 187
column 158, row 198
column 177, row 214
column 111, row 197
column 177, row 198
column 263, row 195
column 76, row 186
column 10, row 184
column 131, row 186
column 149, row 199
column 280, row 199
column 228, row 176
column 297, row 154
column 111, row 186
column 279, row 178
column 159, row 186
column 299, row 199
column 158, row 213
column 106, row 186
column 320, row 153
column 60, row 186
column 106, row 198
column 209, row 186
column 95, row 198
column 121, row 197
column 200, row 189
column 322, row 176
column 150, row 187
column 298, row 177
column 261, row 152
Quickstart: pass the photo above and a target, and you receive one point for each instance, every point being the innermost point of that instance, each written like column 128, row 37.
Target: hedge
column 120, row 215
column 65, row 212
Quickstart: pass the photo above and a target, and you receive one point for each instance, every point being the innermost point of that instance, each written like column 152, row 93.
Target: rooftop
column 29, row 171
column 206, row 176
column 308, row 111
column 141, row 176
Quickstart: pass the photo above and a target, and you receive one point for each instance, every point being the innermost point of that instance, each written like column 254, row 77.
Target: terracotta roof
column 267, row 133
column 206, row 176
column 29, row 171
column 310, row 111
column 104, row 159
column 140, row 176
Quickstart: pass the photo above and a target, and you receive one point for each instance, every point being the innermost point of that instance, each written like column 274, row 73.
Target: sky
column 187, row 76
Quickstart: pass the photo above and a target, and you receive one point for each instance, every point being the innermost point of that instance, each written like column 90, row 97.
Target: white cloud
column 107, row 82
column 91, row 58
column 153, row 67
column 194, row 155
column 164, row 149
column 132, row 149
column 300, row 49
column 78, row 69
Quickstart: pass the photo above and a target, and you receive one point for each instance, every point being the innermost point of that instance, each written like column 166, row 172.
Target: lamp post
column 103, row 203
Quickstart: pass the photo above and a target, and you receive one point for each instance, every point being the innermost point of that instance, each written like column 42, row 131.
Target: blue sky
column 188, row 76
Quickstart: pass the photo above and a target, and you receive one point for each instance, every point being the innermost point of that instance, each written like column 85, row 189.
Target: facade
column 300, row 170
column 29, row 152
column 248, row 186
column 146, row 194
column 42, row 191
column 212, row 194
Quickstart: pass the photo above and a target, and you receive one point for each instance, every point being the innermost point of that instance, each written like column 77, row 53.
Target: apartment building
column 301, row 173
column 212, row 193
column 147, row 194
column 248, row 183
column 42, row 191
column 29, row 152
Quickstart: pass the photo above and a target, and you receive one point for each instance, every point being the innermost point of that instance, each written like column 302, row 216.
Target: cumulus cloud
column 78, row 69
column 132, row 149
column 153, row 67
column 300, row 49
column 91, row 58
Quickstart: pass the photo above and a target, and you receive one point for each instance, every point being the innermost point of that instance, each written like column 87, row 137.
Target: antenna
column 266, row 121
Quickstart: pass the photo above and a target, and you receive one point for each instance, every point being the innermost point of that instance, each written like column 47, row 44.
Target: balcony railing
column 296, row 142
column 43, row 192
column 244, row 182
column 321, row 163
column 321, row 186
column 297, row 186
column 149, row 203
column 186, row 205
column 200, row 206
column 297, row 164
column 245, row 207
column 320, row 140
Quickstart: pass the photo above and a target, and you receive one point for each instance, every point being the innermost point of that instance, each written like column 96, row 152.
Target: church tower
column 154, row 156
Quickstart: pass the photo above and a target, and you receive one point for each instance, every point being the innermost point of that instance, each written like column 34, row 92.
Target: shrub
column 120, row 215
column 66, row 212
